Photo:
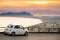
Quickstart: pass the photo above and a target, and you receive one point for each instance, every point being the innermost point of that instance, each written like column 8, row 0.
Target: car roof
column 15, row 25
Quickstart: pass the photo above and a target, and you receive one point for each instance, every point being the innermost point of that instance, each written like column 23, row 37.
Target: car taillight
column 8, row 29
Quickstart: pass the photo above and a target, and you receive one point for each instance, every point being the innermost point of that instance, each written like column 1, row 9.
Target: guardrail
column 38, row 30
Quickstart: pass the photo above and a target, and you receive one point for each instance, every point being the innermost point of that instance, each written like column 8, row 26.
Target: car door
column 17, row 29
column 21, row 30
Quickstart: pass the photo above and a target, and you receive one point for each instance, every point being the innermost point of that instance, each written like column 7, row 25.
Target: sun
column 39, row 2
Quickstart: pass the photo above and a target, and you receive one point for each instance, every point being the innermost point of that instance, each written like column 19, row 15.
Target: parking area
column 32, row 36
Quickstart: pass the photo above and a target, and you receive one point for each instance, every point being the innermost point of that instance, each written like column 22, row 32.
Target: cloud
column 34, row 10
column 37, row 10
column 52, row 10
column 46, row 13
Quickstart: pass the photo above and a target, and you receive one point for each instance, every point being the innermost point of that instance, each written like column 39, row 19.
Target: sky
column 35, row 7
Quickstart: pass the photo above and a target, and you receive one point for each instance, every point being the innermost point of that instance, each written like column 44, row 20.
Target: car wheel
column 26, row 34
column 13, row 34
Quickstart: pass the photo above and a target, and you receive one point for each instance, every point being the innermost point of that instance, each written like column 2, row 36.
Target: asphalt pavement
column 32, row 36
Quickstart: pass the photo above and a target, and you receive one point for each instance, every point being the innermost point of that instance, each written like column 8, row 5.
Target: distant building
column 45, row 27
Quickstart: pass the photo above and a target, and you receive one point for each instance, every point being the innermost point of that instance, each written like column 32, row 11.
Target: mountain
column 27, row 14
column 53, row 17
column 17, row 14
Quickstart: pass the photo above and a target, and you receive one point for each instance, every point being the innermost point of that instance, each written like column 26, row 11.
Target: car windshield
column 10, row 26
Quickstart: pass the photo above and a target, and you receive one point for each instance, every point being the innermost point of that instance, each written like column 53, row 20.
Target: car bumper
column 7, row 32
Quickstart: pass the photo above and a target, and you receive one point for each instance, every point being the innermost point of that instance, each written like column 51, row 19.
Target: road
column 32, row 36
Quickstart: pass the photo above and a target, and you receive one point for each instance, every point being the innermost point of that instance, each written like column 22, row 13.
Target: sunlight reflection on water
column 4, row 21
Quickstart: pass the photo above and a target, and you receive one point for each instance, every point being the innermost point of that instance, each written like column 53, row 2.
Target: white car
column 15, row 30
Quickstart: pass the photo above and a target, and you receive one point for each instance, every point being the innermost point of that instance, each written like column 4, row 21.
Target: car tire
column 13, row 34
column 26, row 34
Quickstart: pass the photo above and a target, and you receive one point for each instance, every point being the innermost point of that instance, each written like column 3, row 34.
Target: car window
column 10, row 26
column 21, row 26
column 16, row 26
